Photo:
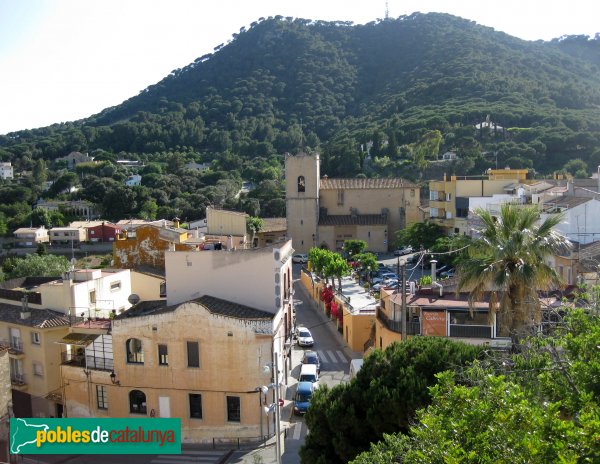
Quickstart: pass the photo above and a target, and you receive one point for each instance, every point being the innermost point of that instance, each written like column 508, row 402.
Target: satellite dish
column 134, row 298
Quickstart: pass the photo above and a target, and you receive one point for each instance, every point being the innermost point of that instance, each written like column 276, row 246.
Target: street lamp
column 278, row 402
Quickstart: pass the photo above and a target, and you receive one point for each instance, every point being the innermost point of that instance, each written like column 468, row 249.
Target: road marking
column 332, row 356
column 342, row 357
column 322, row 356
column 297, row 430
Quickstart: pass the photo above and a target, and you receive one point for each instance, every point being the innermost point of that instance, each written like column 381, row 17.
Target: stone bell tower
column 302, row 199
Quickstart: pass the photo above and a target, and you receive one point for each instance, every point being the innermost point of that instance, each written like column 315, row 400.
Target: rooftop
column 40, row 318
column 358, row 183
column 353, row 220
column 210, row 303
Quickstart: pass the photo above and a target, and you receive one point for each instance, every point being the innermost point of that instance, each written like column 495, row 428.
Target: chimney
column 176, row 222
column 25, row 311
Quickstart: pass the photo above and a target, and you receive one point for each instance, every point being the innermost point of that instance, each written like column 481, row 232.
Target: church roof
column 353, row 220
column 358, row 183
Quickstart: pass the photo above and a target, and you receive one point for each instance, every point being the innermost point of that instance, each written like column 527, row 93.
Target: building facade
column 326, row 212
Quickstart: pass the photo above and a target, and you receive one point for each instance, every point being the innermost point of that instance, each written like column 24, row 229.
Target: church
column 325, row 212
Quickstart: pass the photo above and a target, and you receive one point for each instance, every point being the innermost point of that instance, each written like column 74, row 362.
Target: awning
column 78, row 339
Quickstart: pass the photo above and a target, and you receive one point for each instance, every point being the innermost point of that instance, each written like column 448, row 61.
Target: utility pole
column 277, row 413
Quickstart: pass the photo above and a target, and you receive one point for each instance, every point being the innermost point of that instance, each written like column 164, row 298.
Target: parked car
column 389, row 275
column 304, row 337
column 312, row 357
column 403, row 251
column 385, row 284
column 308, row 373
column 304, row 392
column 300, row 258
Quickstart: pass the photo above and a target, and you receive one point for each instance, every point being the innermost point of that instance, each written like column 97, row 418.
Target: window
column 195, row 405
column 233, row 408
column 340, row 197
column 101, row 397
column 35, row 338
column 193, row 352
column 301, row 184
column 137, row 402
column 412, row 192
column 114, row 286
column 92, row 296
column 163, row 355
column 38, row 369
column 135, row 351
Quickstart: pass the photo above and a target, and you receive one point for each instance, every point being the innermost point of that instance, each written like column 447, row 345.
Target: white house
column 132, row 180
column 581, row 217
column 6, row 171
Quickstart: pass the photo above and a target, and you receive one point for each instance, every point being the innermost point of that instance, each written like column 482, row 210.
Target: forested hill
column 415, row 87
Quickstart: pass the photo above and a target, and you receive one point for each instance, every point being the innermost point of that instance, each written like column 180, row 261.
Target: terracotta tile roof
column 353, row 220
column 230, row 309
column 273, row 225
column 357, row 183
column 212, row 304
column 566, row 201
column 42, row 318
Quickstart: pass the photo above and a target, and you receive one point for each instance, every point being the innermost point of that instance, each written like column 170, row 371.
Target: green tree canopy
column 509, row 260
column 36, row 265
column 383, row 398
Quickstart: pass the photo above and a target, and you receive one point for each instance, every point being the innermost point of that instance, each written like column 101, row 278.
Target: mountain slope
column 287, row 82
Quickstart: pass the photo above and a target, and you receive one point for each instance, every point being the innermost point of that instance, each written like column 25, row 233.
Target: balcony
column 15, row 347
column 470, row 331
column 18, row 382
column 88, row 362
column 413, row 327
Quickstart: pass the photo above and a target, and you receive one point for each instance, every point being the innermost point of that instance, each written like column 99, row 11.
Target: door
column 164, row 406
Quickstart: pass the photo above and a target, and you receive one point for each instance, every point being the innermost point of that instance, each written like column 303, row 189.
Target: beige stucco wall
column 47, row 355
column 250, row 277
column 221, row 222
column 302, row 208
column 146, row 286
column 232, row 356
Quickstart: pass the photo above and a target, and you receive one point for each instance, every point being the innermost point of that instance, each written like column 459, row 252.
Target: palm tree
column 508, row 260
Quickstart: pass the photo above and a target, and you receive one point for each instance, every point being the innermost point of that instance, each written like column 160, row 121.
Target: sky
column 63, row 60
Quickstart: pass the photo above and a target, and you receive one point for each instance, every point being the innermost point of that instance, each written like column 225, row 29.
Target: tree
column 354, row 247
column 536, row 406
column 367, row 263
column 419, row 234
column 383, row 398
column 338, row 267
column 508, row 259
column 254, row 225
column 149, row 210
column 39, row 266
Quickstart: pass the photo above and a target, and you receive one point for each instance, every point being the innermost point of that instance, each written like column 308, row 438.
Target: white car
column 304, row 337
column 300, row 258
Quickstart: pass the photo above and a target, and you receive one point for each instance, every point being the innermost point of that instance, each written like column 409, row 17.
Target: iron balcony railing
column 413, row 327
column 89, row 362
column 18, row 379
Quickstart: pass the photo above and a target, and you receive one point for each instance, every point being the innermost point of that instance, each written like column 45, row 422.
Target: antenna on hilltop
column 387, row 10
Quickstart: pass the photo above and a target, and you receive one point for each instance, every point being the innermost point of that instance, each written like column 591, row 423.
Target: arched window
column 135, row 352
column 137, row 402
column 301, row 184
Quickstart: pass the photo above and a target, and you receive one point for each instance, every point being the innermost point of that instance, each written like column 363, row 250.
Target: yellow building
column 200, row 355
column 199, row 361
column 326, row 212
column 449, row 198
column 31, row 336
